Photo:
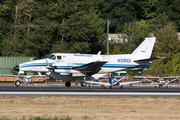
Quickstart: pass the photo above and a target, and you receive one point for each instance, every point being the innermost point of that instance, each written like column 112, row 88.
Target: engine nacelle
column 28, row 80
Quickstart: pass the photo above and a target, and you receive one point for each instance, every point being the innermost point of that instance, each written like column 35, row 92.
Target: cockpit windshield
column 52, row 57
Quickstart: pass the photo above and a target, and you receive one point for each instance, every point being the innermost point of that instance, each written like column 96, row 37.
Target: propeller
column 49, row 67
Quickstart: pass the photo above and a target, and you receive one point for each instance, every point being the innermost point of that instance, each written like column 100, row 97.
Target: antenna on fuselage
column 99, row 53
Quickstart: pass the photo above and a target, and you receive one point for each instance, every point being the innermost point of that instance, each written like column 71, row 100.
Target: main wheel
column 102, row 86
column 18, row 83
column 68, row 84
column 83, row 84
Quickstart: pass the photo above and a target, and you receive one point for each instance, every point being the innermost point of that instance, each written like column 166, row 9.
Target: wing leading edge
column 90, row 68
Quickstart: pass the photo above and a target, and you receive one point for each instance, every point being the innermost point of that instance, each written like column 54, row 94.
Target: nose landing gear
column 68, row 84
column 17, row 83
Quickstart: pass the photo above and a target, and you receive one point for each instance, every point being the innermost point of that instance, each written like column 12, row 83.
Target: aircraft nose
column 16, row 68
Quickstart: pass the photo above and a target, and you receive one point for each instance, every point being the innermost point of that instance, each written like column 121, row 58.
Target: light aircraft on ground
column 160, row 82
column 111, row 82
column 25, row 79
column 68, row 66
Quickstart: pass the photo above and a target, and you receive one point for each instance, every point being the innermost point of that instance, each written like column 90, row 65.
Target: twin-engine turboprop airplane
column 67, row 66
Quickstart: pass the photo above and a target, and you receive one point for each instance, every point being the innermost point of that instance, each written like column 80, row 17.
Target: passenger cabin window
column 59, row 57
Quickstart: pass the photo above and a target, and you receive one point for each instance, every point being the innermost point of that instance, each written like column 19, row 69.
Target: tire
column 18, row 83
column 83, row 84
column 68, row 84
column 102, row 86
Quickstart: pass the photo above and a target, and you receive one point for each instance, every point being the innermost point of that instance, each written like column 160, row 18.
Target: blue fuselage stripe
column 70, row 67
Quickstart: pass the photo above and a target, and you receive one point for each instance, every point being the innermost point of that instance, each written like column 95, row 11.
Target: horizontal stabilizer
column 148, row 60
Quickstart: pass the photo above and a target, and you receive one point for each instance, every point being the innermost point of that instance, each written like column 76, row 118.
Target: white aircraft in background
column 67, row 66
column 111, row 82
column 161, row 80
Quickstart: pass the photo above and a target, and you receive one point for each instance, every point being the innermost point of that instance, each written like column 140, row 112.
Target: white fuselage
column 64, row 62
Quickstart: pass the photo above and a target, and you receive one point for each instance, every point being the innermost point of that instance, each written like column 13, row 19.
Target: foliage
column 12, row 71
column 132, row 36
column 117, row 11
column 171, row 8
column 167, row 46
column 149, row 10
column 76, row 83
column 56, row 26
column 133, row 72
column 168, row 43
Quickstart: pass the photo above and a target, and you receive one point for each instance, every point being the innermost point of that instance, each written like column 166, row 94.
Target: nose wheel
column 18, row 83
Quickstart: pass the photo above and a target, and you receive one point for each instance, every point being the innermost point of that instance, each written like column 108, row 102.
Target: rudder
column 144, row 50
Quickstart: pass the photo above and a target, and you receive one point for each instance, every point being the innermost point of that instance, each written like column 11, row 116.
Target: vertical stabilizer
column 144, row 50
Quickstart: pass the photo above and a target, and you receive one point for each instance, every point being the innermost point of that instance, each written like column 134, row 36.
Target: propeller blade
column 50, row 67
column 47, row 62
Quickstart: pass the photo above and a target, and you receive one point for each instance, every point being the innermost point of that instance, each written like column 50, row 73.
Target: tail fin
column 144, row 50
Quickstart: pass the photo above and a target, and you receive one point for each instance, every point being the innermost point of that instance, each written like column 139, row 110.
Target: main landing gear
column 102, row 86
column 68, row 84
column 83, row 84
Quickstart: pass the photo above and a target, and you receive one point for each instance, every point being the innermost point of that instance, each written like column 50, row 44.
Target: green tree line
column 41, row 27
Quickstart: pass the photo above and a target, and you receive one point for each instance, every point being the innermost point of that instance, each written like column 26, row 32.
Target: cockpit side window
column 52, row 57
column 59, row 57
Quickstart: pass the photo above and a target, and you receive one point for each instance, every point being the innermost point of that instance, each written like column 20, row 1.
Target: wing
column 147, row 78
column 140, row 77
column 24, row 76
column 98, row 83
column 90, row 68
column 108, row 77
column 172, row 80
column 127, row 83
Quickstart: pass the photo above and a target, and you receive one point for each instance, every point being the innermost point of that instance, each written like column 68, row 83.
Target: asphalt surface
column 60, row 89
column 86, row 89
